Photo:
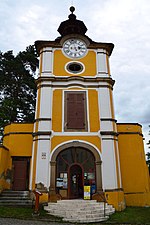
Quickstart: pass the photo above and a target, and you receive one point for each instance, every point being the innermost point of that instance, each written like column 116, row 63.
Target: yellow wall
column 93, row 111
column 18, row 139
column 89, row 61
column 5, row 169
column 116, row 198
column 57, row 111
column 134, row 171
column 61, row 139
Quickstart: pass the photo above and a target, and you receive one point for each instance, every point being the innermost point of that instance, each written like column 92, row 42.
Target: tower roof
column 72, row 25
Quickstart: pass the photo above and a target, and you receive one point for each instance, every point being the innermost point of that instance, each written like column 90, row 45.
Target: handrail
column 103, row 199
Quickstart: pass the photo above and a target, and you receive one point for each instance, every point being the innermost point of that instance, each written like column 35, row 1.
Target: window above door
column 75, row 111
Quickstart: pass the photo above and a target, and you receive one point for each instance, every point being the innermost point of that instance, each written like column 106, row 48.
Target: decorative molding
column 109, row 80
column 13, row 133
column 129, row 133
column 46, row 71
column 136, row 124
column 41, row 133
column 108, row 119
column 48, row 50
column 72, row 85
column 42, row 119
column 2, row 146
column 76, row 144
column 110, row 139
column 43, row 139
column 74, row 133
column 109, row 133
column 113, row 190
column 103, row 73
column 56, row 44
column 132, row 193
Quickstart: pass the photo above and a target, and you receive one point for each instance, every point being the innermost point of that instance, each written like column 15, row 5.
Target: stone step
column 80, row 208
column 16, row 204
column 15, row 198
column 15, row 193
column 80, row 211
column 89, row 211
column 87, row 220
column 80, row 201
column 76, row 214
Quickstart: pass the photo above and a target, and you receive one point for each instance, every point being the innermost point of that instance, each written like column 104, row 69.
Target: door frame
column 20, row 158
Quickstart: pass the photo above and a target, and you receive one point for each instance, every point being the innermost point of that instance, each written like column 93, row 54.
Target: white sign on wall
column 43, row 156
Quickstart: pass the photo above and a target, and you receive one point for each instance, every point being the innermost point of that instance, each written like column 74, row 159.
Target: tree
column 148, row 160
column 17, row 86
column 148, row 156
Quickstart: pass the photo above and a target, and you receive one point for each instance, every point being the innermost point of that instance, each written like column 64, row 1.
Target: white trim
column 99, row 106
column 80, row 141
column 87, row 111
column 63, row 111
column 42, row 164
column 119, row 169
column 48, row 74
column 104, row 103
column 52, row 61
column 84, row 84
column 88, row 133
column 109, row 169
column 51, row 106
column 31, row 168
column 73, row 88
column 101, row 63
column 47, row 55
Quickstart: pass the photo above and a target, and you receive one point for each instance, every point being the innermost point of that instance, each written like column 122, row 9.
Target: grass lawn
column 131, row 215
column 25, row 213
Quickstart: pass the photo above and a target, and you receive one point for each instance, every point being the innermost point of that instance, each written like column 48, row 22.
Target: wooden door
column 75, row 182
column 20, row 175
column 75, row 111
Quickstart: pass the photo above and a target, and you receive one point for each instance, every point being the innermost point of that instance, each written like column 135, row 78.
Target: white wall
column 42, row 164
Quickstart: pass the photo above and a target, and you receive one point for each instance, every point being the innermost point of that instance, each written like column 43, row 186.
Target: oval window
column 74, row 67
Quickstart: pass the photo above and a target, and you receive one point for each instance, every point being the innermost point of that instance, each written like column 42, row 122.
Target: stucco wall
column 134, row 171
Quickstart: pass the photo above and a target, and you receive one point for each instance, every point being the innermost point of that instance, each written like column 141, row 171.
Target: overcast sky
column 126, row 23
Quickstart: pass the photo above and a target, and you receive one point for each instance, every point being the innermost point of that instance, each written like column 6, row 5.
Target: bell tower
column 75, row 128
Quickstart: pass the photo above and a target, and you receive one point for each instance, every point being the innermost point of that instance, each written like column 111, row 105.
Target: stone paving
column 10, row 221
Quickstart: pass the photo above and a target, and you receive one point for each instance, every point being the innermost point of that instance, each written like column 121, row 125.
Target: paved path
column 10, row 221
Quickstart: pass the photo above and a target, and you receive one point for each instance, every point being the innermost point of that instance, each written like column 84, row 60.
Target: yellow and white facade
column 75, row 140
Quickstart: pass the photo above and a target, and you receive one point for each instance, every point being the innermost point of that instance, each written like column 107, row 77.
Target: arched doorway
column 75, row 168
column 59, row 180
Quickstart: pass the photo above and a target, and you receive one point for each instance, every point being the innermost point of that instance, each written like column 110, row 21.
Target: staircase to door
column 15, row 198
column 80, row 211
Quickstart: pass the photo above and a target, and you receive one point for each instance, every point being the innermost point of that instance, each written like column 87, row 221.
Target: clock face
column 74, row 48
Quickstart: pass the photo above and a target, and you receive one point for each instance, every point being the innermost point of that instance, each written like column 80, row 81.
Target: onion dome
column 72, row 25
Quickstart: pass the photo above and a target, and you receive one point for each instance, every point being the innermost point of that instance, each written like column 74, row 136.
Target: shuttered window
column 75, row 111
